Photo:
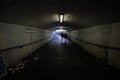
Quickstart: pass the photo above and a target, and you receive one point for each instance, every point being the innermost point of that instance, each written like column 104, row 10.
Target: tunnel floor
column 63, row 61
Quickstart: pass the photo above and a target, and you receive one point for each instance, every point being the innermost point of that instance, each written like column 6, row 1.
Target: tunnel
column 59, row 39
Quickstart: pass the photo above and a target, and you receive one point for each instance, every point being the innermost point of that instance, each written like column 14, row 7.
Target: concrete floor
column 63, row 61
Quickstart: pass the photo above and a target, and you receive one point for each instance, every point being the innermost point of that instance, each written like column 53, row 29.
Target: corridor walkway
column 63, row 61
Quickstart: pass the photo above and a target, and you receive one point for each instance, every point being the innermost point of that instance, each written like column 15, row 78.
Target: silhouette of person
column 62, row 35
column 65, row 36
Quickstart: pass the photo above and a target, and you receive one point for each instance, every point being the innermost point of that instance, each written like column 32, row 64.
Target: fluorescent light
column 61, row 18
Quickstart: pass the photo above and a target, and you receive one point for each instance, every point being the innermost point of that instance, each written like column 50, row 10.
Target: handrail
column 21, row 46
column 105, row 48
column 109, row 47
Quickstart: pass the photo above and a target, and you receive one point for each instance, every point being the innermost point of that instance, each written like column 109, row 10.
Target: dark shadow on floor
column 62, row 61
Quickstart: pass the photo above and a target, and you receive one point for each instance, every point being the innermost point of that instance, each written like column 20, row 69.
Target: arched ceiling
column 45, row 13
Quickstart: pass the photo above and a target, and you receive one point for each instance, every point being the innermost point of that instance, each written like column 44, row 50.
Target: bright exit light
column 60, row 30
column 61, row 18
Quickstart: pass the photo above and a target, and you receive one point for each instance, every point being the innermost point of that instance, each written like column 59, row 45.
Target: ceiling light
column 61, row 18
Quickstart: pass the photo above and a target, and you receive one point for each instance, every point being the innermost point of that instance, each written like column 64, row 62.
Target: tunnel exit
column 61, row 35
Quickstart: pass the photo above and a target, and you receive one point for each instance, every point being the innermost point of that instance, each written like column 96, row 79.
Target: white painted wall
column 15, row 35
column 107, row 35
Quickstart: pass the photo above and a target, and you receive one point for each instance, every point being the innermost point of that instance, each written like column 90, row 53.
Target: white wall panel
column 105, row 35
column 15, row 35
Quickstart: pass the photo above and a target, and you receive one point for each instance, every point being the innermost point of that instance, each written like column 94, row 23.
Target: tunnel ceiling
column 45, row 13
